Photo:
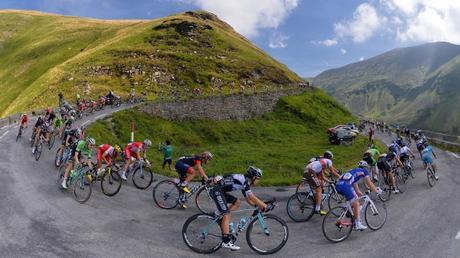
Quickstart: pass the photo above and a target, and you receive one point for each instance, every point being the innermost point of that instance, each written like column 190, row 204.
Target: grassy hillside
column 280, row 142
column 184, row 54
column 415, row 86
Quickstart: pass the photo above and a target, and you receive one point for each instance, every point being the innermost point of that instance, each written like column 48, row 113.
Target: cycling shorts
column 383, row 164
column 427, row 159
column 221, row 199
column 403, row 157
column 346, row 190
column 370, row 160
column 312, row 180
column 100, row 152
column 183, row 169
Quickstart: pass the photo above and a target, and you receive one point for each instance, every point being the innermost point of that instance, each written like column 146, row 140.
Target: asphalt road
column 40, row 220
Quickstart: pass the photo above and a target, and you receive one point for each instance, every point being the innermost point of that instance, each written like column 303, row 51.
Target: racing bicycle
column 338, row 222
column 265, row 233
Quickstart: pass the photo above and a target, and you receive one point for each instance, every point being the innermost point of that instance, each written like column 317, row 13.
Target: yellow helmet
column 117, row 148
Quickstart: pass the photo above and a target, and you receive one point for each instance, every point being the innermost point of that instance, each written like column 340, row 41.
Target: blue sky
column 308, row 36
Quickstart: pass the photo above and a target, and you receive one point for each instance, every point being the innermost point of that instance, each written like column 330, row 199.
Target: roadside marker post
column 133, row 128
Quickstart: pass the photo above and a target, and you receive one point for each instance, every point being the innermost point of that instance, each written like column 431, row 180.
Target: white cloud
column 249, row 16
column 327, row 42
column 278, row 40
column 425, row 20
column 343, row 51
column 361, row 58
column 364, row 24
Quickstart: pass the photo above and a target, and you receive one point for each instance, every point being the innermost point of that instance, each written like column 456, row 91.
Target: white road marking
column 458, row 236
column 455, row 155
column 99, row 116
column 3, row 135
column 85, row 123
column 3, row 127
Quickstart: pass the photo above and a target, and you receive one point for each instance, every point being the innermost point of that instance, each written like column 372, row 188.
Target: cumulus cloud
column 249, row 16
column 362, row 26
column 424, row 20
column 361, row 58
column 278, row 40
column 343, row 51
column 327, row 42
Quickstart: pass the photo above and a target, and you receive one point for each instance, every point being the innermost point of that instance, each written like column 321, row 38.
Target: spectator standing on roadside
column 371, row 135
column 167, row 152
column 61, row 99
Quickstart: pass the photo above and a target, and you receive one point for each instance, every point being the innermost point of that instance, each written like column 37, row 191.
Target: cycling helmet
column 254, row 172
column 117, row 148
column 147, row 142
column 91, row 141
column 362, row 164
column 328, row 155
column 425, row 144
column 207, row 155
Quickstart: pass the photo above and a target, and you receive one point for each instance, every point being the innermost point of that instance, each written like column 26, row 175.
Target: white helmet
column 363, row 164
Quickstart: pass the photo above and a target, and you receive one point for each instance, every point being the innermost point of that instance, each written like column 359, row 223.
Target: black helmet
column 254, row 172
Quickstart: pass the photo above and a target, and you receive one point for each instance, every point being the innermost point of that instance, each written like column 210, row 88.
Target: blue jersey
column 427, row 154
column 353, row 176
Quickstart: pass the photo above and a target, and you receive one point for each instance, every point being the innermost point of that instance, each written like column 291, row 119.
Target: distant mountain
column 191, row 53
column 416, row 86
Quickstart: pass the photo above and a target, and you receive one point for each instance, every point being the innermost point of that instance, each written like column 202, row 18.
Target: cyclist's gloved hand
column 379, row 190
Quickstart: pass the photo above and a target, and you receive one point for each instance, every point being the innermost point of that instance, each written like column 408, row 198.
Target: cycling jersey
column 404, row 150
column 105, row 148
column 184, row 165
column 39, row 122
column 318, row 166
column 82, row 149
column 132, row 148
column 345, row 184
column 24, row 119
column 220, row 192
column 427, row 155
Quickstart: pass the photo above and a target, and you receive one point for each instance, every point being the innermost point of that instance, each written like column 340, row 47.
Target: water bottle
column 241, row 223
column 72, row 173
column 231, row 227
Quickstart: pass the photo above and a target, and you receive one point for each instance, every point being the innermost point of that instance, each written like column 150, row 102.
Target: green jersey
column 167, row 151
column 58, row 123
column 374, row 152
column 82, row 147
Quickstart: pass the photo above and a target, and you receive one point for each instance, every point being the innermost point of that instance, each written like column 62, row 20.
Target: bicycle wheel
column 302, row 187
column 60, row 176
column 111, row 183
column 51, row 140
column 386, row 189
column 166, row 194
column 335, row 199
column 300, row 207
column 430, row 176
column 204, row 202
column 82, row 188
column 400, row 182
column 375, row 214
column 19, row 133
column 337, row 225
column 267, row 236
column 142, row 178
column 38, row 150
column 202, row 233
column 58, row 158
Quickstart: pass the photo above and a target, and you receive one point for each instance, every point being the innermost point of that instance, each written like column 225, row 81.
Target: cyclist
column 38, row 124
column 370, row 157
column 347, row 186
column 394, row 147
column 45, row 130
column 81, row 153
column 222, row 197
column 386, row 164
column 427, row 158
column 313, row 173
column 24, row 120
column 404, row 153
column 49, row 115
column 167, row 154
column 106, row 152
column 187, row 167
column 133, row 152
column 71, row 137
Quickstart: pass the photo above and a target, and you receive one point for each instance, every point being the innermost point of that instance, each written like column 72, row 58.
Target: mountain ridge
column 411, row 86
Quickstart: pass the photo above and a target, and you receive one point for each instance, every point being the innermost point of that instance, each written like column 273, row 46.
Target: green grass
column 43, row 55
column 280, row 142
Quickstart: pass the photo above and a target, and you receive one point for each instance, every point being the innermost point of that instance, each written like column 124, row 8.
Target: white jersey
column 404, row 150
column 318, row 166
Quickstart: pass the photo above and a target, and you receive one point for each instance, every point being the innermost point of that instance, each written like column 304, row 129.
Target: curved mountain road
column 40, row 220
